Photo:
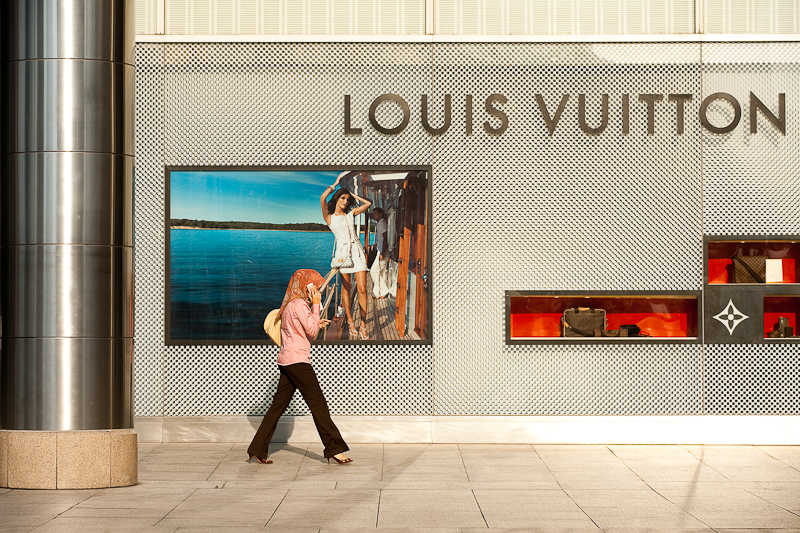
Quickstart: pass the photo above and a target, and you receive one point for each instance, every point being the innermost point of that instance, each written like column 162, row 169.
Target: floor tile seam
column 464, row 466
column 567, row 493
column 276, row 508
column 65, row 510
column 483, row 516
column 716, row 470
column 378, row 514
column 773, row 503
column 176, row 506
column 299, row 465
column 592, row 520
column 628, row 466
column 776, row 458
column 682, row 509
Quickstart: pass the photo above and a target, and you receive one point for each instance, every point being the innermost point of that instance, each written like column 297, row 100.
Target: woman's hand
column 316, row 296
column 363, row 207
column 323, row 322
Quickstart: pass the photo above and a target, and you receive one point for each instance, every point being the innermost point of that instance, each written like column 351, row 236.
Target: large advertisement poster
column 236, row 236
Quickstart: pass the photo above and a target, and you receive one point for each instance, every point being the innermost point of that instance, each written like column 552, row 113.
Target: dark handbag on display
column 631, row 330
column 583, row 322
column 749, row 268
column 782, row 330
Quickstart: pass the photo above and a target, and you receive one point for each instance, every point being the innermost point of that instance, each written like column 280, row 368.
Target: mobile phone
column 310, row 286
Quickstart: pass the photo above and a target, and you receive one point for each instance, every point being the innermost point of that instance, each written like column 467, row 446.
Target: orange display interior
column 720, row 264
column 540, row 316
column 780, row 306
column 721, row 271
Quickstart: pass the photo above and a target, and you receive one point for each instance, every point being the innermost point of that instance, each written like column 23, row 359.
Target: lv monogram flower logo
column 730, row 317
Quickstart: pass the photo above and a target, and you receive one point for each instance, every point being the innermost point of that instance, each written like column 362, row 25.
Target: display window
column 601, row 317
column 235, row 236
column 780, row 317
column 752, row 290
column 753, row 261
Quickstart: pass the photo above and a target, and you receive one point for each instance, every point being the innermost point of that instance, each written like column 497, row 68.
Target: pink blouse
column 298, row 325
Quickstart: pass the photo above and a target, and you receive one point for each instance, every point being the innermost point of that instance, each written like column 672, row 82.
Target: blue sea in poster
column 224, row 282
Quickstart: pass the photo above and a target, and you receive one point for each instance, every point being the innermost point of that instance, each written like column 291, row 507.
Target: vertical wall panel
column 751, row 187
column 149, row 232
column 572, row 17
column 750, row 181
column 751, row 16
column 571, row 211
column 295, row 17
column 220, row 111
column 146, row 17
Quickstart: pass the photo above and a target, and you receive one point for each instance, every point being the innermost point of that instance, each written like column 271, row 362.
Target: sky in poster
column 277, row 197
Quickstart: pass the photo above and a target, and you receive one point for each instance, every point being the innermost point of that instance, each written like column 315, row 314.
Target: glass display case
column 752, row 260
column 537, row 316
column 751, row 289
column 780, row 317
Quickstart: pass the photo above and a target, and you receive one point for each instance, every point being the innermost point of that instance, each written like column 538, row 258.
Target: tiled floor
column 434, row 488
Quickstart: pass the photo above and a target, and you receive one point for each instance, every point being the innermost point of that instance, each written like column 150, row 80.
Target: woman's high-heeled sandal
column 353, row 331
column 259, row 459
column 340, row 461
column 362, row 333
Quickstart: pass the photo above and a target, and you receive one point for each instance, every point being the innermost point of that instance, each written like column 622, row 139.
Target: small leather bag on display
column 781, row 330
column 631, row 330
column 583, row 322
column 749, row 268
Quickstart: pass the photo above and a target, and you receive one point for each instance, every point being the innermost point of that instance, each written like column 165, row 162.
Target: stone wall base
column 68, row 459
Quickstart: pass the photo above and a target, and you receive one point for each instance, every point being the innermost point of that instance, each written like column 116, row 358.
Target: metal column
column 67, row 214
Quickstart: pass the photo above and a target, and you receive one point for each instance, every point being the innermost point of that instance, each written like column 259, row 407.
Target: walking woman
column 300, row 322
column 339, row 214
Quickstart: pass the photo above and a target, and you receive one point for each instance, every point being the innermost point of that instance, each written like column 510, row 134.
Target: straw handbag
column 272, row 326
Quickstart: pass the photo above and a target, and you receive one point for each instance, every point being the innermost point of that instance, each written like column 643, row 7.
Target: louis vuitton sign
column 495, row 120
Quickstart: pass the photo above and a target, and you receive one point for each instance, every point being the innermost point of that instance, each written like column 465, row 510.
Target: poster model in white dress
column 339, row 213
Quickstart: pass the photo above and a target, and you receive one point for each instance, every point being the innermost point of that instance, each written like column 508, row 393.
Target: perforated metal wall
column 520, row 211
column 248, row 104
column 751, row 187
column 363, row 380
column 752, row 379
column 750, row 181
column 149, row 232
column 530, row 211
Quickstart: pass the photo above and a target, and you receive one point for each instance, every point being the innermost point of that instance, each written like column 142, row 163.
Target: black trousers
column 298, row 376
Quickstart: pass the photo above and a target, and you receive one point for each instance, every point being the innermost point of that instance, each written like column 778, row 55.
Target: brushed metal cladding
column 356, row 380
column 750, row 183
column 67, row 291
column 67, row 105
column 753, row 380
column 149, row 200
column 78, row 384
column 59, row 197
column 69, row 29
column 568, row 211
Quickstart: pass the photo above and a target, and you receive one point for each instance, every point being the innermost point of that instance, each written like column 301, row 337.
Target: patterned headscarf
column 297, row 286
